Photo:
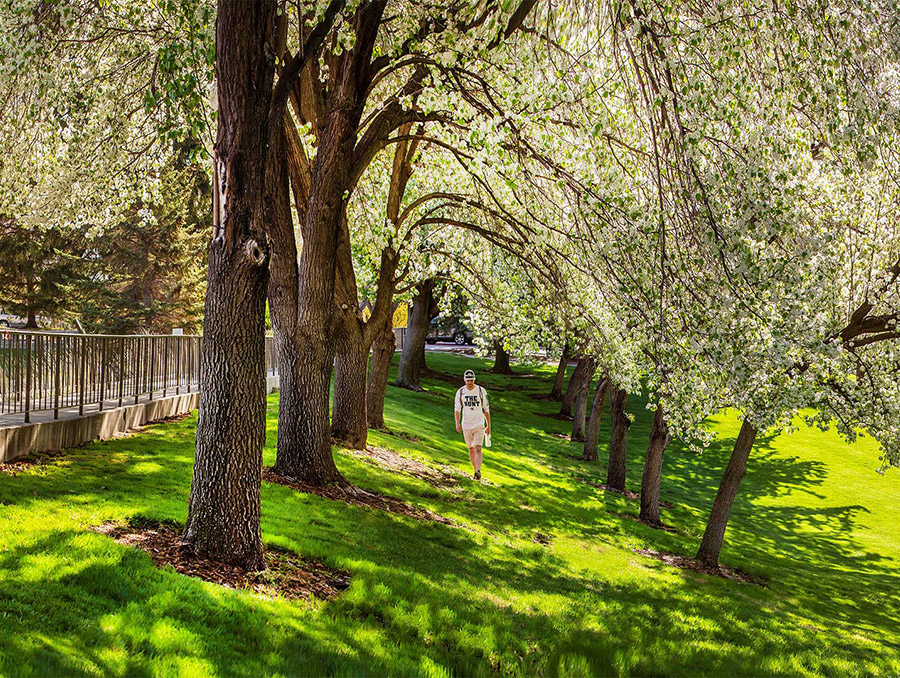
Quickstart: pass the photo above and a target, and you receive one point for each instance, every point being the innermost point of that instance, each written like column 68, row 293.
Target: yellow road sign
column 401, row 315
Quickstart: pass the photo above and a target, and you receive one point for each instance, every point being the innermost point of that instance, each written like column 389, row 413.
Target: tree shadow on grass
column 428, row 598
column 793, row 544
column 112, row 612
column 417, row 601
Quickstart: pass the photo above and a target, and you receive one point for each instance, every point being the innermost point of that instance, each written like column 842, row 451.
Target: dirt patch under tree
column 286, row 574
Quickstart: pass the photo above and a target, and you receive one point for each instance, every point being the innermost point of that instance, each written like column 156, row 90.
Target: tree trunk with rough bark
column 305, row 351
column 412, row 358
column 501, row 359
column 224, row 508
column 592, row 435
column 348, row 413
column 382, row 355
column 309, row 326
column 382, row 331
column 651, row 479
column 568, row 402
column 306, row 357
column 304, row 435
column 618, row 442
column 579, row 412
column 728, row 488
column 556, row 393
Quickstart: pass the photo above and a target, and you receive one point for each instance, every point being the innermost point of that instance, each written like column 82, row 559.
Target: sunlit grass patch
column 425, row 598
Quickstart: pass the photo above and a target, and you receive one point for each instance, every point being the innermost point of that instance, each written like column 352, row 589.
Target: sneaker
column 477, row 475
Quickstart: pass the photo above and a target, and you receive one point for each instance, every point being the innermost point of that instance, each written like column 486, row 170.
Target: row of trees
column 731, row 239
column 697, row 201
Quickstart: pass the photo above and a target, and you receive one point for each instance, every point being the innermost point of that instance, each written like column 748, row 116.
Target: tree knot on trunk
column 257, row 253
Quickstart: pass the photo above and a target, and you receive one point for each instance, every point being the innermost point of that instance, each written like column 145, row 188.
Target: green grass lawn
column 813, row 518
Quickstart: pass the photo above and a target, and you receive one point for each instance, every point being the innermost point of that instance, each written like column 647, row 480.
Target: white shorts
column 474, row 436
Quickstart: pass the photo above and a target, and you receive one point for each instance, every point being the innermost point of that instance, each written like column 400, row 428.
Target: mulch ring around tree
column 694, row 565
column 357, row 497
column 286, row 574
column 628, row 494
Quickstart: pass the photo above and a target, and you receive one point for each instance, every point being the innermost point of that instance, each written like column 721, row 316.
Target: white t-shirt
column 472, row 403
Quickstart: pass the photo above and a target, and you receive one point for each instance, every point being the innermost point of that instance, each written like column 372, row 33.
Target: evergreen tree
column 148, row 271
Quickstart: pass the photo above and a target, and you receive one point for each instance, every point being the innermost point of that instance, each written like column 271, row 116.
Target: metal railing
column 44, row 371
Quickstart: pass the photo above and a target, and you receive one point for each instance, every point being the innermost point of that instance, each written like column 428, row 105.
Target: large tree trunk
column 651, row 480
column 348, row 414
column 412, row 358
column 306, row 357
column 618, row 442
column 224, row 507
column 501, row 359
column 301, row 427
column 721, row 510
column 568, row 403
column 556, row 393
column 382, row 355
column 592, row 435
column 581, row 397
column 304, row 433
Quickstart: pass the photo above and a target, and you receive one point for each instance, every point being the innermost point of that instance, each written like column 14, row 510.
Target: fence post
column 198, row 359
column 28, row 379
column 137, row 371
column 151, row 348
column 177, row 366
column 103, row 372
column 165, row 365
column 121, row 369
column 82, row 370
column 56, row 379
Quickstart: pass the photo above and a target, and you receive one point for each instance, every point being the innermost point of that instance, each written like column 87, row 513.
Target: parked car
column 449, row 329
column 9, row 320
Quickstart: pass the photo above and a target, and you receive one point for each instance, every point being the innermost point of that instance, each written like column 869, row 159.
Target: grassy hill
column 539, row 575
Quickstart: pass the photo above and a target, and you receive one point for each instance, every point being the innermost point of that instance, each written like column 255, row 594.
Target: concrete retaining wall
column 49, row 436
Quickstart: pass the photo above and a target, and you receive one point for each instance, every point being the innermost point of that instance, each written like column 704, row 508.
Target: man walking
column 471, row 402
